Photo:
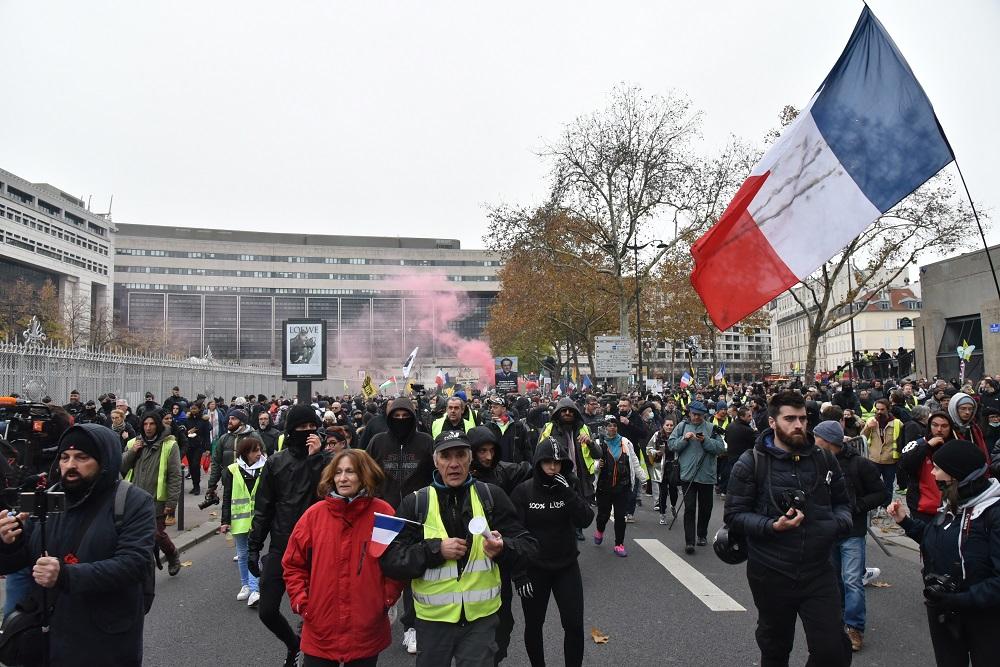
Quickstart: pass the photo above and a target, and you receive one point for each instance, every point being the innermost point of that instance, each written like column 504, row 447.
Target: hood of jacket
column 567, row 402
column 549, row 448
column 109, row 450
column 403, row 403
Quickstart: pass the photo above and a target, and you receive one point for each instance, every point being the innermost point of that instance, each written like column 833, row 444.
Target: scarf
column 615, row 446
column 119, row 428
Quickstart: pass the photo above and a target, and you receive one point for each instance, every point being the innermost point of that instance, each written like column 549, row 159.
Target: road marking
column 703, row 589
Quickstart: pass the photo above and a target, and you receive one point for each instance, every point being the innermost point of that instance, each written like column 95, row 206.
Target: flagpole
column 982, row 235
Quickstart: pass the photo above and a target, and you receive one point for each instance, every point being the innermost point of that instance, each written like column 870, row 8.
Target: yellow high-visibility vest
column 241, row 502
column 438, row 425
column 166, row 447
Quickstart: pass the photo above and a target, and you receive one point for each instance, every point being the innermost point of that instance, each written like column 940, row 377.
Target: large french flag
column 867, row 139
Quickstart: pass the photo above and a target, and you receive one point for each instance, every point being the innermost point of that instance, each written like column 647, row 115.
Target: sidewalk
column 199, row 525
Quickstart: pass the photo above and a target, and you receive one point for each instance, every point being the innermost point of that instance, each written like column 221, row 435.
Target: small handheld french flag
column 384, row 531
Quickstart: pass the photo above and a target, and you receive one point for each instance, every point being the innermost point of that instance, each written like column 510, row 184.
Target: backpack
column 482, row 489
column 149, row 580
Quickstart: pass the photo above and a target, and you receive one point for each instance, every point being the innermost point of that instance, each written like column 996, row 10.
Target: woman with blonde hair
column 333, row 582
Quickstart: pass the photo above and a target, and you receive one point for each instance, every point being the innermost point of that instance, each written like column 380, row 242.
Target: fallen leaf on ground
column 880, row 584
column 213, row 514
column 598, row 636
column 186, row 563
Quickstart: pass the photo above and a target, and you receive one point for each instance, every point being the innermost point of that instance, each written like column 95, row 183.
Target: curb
column 196, row 535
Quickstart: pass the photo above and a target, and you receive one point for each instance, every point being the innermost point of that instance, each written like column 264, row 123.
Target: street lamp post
column 638, row 310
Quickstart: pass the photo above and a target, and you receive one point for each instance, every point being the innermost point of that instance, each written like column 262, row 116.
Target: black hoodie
column 406, row 457
column 550, row 511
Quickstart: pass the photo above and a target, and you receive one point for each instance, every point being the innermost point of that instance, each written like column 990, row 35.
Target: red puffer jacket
column 333, row 583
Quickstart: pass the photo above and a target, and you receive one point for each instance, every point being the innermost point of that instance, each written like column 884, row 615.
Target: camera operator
column 960, row 550
column 792, row 510
column 74, row 407
column 97, row 566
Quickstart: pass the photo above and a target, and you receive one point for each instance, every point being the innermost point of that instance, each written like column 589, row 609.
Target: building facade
column 886, row 322
column 746, row 356
column 194, row 289
column 50, row 235
column 960, row 305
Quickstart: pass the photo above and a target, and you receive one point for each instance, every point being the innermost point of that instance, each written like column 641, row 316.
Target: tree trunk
column 622, row 308
column 810, row 369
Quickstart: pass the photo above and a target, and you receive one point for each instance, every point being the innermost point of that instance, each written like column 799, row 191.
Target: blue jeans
column 888, row 473
column 17, row 586
column 241, row 554
column 849, row 562
column 633, row 498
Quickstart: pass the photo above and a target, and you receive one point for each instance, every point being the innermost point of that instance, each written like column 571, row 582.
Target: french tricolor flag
column 867, row 139
column 384, row 531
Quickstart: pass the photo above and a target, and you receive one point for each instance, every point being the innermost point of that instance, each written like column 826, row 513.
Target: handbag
column 206, row 461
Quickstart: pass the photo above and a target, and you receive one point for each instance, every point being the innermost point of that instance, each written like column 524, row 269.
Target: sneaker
column 410, row 641
column 170, row 520
column 620, row 551
column 598, row 536
column 857, row 638
column 689, row 549
column 701, row 542
column 292, row 658
column 656, row 508
column 243, row 594
column 235, row 558
column 173, row 564
column 253, row 599
column 629, row 518
column 871, row 574
column 663, row 519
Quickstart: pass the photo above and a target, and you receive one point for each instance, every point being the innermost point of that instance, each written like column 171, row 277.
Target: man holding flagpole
column 455, row 572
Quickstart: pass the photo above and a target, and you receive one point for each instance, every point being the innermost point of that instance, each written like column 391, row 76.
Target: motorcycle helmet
column 728, row 548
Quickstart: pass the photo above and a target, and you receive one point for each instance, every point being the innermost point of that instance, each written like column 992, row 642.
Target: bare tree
column 627, row 173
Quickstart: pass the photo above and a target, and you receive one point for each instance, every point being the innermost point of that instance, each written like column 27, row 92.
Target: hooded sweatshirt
column 967, row 430
column 550, row 511
column 581, row 456
column 405, row 454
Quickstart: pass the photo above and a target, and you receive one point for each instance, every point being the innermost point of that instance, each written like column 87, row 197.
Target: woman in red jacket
column 333, row 584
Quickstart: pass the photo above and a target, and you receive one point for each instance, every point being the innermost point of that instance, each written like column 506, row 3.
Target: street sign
column 995, row 327
column 612, row 356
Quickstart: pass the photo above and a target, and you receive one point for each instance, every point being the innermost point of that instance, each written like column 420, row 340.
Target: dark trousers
column 470, row 644
column 697, row 498
column 618, row 498
column 161, row 537
column 408, row 617
column 666, row 488
column 888, row 473
column 723, row 467
column 272, row 589
column 505, row 617
column 979, row 643
column 313, row 661
column 194, row 465
column 566, row 586
column 815, row 600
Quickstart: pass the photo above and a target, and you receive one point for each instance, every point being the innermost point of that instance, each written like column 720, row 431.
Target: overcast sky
column 408, row 118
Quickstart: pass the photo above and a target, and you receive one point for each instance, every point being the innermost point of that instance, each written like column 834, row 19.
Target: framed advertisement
column 303, row 349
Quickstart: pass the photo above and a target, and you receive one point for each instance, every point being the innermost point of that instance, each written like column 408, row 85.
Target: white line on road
column 703, row 589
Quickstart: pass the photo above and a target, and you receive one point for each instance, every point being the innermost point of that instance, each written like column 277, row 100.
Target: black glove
column 253, row 563
column 559, row 479
column 941, row 598
column 523, row 586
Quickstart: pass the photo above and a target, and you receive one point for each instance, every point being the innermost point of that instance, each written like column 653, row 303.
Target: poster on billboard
column 303, row 349
column 505, row 374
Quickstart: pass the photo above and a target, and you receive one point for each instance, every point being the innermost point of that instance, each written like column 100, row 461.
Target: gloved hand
column 941, row 598
column 253, row 563
column 523, row 586
column 559, row 479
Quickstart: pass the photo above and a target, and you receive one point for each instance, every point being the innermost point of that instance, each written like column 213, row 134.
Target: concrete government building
column 194, row 288
column 48, row 234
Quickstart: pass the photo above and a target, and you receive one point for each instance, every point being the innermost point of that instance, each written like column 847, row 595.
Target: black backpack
column 149, row 581
column 482, row 489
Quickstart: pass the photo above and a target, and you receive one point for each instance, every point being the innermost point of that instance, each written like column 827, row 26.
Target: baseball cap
column 450, row 439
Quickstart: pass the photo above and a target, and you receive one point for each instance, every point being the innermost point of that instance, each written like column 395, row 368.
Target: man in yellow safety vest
column 152, row 461
column 455, row 575
column 454, row 418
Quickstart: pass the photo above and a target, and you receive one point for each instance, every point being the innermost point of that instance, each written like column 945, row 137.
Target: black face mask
column 297, row 439
column 400, row 427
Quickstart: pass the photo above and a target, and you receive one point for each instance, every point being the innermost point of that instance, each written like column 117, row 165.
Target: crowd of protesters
column 540, row 469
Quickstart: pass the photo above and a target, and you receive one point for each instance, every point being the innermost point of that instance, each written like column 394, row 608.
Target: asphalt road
column 649, row 616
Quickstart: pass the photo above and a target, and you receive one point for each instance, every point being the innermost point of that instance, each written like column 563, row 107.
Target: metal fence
column 39, row 370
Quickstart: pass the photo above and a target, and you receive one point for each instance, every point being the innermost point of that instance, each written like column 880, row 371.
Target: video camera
column 27, row 435
column 793, row 499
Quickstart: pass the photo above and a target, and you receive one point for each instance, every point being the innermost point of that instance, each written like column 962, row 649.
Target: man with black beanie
column 287, row 488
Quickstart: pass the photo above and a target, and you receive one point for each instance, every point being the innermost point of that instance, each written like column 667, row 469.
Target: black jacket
column 635, row 430
column 739, row 438
column 287, row 488
column 99, row 612
column 977, row 557
column 552, row 512
column 752, row 509
column 847, row 400
column 407, row 461
column 515, row 442
column 864, row 487
column 410, row 554
column 269, row 436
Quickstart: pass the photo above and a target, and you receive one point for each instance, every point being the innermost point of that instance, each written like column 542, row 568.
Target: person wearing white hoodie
column 960, row 552
column 242, row 475
column 617, row 472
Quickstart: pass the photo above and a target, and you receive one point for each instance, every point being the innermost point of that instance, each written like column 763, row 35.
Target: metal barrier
column 38, row 370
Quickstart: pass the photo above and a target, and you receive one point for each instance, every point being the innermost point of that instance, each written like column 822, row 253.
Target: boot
column 173, row 564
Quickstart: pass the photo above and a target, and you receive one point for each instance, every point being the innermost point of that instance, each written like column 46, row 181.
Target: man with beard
column 962, row 410
column 513, row 444
column 287, row 488
column 406, row 455
column 152, row 461
column 269, row 434
column 74, row 407
column 224, row 453
column 846, row 398
column 792, row 510
column 97, row 565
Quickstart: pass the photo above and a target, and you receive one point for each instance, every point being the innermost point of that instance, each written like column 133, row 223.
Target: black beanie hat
column 962, row 460
column 300, row 414
column 78, row 439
